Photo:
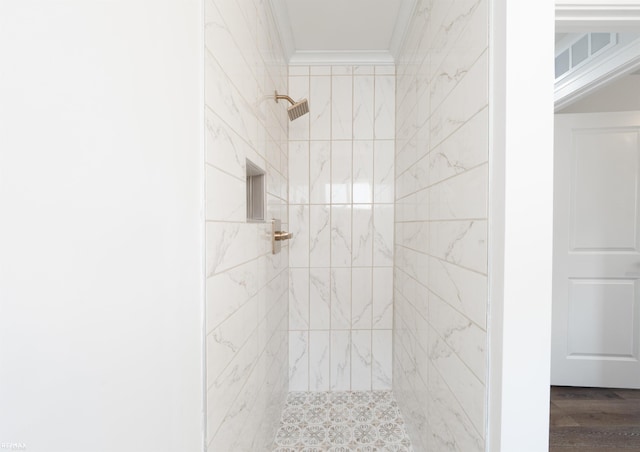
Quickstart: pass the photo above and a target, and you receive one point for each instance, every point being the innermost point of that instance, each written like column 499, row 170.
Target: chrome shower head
column 296, row 109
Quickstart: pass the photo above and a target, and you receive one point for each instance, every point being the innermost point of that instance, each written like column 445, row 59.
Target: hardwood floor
column 594, row 419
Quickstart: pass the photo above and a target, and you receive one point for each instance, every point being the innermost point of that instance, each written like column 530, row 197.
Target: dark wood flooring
column 594, row 419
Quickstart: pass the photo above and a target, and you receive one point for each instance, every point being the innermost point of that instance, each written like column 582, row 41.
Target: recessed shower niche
column 255, row 192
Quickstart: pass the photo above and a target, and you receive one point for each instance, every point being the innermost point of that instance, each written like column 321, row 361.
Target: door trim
column 588, row 16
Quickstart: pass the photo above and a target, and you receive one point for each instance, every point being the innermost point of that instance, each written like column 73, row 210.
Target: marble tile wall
column 440, row 272
column 341, row 194
column 247, row 287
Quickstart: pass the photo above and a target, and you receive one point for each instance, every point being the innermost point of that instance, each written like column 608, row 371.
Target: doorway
column 596, row 308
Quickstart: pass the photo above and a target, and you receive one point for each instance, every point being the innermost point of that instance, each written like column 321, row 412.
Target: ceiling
column 340, row 30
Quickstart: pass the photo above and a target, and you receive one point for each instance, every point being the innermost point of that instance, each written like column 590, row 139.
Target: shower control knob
column 283, row 235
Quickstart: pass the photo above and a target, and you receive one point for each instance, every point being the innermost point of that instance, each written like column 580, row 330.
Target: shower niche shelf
column 255, row 193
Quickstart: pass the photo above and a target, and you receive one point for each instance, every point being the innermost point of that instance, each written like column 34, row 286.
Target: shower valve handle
column 283, row 235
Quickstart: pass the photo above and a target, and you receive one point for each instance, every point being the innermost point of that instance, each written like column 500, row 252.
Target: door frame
column 582, row 17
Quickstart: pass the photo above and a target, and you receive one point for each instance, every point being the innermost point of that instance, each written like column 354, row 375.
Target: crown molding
column 283, row 24
column 326, row 58
column 401, row 28
column 581, row 16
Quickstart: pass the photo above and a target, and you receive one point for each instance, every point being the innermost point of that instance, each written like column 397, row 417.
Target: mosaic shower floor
column 358, row 421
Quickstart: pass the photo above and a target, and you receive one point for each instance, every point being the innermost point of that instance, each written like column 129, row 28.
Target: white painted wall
column 520, row 229
column 620, row 95
column 101, row 230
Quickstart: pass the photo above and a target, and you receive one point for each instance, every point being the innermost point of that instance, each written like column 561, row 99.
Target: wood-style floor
column 594, row 419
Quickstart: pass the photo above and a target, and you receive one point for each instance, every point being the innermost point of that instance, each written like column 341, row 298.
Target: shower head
column 296, row 109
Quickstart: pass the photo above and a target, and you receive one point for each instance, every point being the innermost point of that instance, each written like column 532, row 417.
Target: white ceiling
column 342, row 29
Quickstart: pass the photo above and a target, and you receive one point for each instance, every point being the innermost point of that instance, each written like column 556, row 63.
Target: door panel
column 603, row 194
column 596, row 304
column 601, row 321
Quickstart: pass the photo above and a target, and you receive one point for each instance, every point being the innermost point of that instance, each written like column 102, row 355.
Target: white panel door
column 596, row 267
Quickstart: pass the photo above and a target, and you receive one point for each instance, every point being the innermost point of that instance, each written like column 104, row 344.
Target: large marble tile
column 468, row 97
column 461, row 242
column 224, row 148
column 224, row 99
column 225, row 196
column 464, row 337
column 465, row 149
column 229, row 245
column 464, row 290
column 468, row 390
column 460, row 197
column 224, row 342
column 226, row 292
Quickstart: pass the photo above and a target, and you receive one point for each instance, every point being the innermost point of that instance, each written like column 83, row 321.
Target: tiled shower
column 384, row 186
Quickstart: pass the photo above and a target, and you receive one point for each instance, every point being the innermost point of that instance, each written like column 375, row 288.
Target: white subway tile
column 341, row 176
column 384, row 121
column 361, row 297
column 363, row 107
column 299, row 243
column 320, row 298
column 320, row 236
column 362, row 172
column 340, row 361
column 320, row 108
column 319, row 358
column 298, row 299
column 340, row 298
column 341, row 248
column 361, row 360
column 320, row 172
column 341, row 107
column 298, row 360
column 298, row 172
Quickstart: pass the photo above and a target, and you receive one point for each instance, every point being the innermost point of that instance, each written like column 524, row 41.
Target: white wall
column 620, row 95
column 101, row 236
column 247, row 286
column 520, row 231
column 341, row 214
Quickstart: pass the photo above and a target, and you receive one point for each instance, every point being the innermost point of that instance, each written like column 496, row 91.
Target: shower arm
column 283, row 96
